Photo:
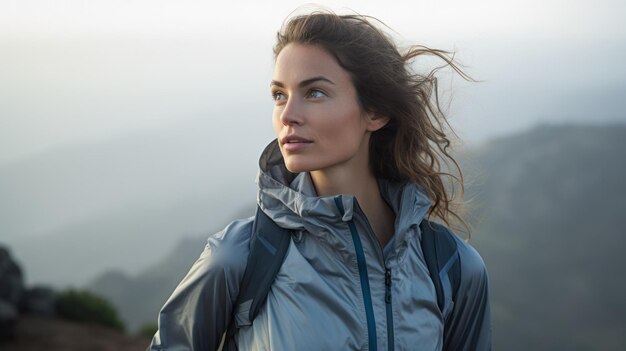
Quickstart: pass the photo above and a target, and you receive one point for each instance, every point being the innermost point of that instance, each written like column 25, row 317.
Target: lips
column 294, row 139
column 295, row 144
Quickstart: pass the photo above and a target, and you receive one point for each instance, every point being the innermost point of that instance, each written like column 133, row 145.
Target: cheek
column 333, row 134
column 344, row 130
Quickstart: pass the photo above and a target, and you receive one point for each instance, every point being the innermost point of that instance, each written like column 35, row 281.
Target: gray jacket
column 330, row 291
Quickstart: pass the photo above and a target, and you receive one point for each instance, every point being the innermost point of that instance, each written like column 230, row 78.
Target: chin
column 295, row 167
column 298, row 166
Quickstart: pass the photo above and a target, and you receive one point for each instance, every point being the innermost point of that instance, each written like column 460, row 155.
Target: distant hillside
column 551, row 209
column 548, row 207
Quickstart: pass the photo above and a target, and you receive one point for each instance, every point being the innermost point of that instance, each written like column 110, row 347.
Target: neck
column 334, row 182
column 364, row 187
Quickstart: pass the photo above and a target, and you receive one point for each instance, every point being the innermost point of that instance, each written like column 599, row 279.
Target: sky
column 75, row 72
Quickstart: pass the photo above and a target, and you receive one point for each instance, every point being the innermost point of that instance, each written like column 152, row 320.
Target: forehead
column 297, row 62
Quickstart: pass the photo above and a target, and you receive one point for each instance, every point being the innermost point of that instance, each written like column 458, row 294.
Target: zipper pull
column 388, row 285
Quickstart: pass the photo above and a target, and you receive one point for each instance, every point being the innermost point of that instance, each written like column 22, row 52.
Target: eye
column 278, row 96
column 316, row 94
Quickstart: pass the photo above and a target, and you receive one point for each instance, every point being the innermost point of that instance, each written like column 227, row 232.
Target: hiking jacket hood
column 337, row 289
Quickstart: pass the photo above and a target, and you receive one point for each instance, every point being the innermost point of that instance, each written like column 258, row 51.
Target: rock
column 11, row 289
column 39, row 301
column 8, row 321
column 11, row 282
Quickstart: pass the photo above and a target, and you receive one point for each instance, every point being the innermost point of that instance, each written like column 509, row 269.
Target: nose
column 292, row 113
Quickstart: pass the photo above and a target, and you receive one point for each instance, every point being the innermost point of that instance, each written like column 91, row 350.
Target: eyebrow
column 305, row 82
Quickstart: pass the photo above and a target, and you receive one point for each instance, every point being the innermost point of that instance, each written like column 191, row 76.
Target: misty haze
column 125, row 144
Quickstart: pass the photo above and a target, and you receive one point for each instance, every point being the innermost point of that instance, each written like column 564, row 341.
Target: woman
column 352, row 174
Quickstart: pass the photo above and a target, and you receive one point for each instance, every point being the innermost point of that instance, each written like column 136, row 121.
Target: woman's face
column 317, row 118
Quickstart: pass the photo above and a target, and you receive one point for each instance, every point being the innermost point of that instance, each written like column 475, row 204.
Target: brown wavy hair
column 414, row 145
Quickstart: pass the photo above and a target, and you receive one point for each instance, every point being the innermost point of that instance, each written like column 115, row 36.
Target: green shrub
column 147, row 330
column 84, row 306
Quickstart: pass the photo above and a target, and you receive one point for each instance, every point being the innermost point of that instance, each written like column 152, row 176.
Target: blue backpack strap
column 442, row 259
column 268, row 248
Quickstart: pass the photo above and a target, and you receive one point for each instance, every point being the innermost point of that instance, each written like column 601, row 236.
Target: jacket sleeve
column 199, row 310
column 469, row 325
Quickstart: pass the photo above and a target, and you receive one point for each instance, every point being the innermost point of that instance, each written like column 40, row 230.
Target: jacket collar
column 290, row 199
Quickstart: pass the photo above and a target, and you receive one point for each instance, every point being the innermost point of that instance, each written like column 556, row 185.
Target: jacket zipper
column 390, row 336
column 365, row 285
column 388, row 302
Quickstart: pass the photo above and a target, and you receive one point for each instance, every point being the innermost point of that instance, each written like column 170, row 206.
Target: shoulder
column 229, row 248
column 233, row 236
column 448, row 249
column 472, row 265
column 469, row 327
column 221, row 263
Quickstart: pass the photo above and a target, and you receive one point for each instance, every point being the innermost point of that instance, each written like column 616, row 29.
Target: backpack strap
column 268, row 248
column 442, row 259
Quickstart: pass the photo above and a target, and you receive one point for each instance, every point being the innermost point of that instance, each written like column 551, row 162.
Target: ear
column 375, row 122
